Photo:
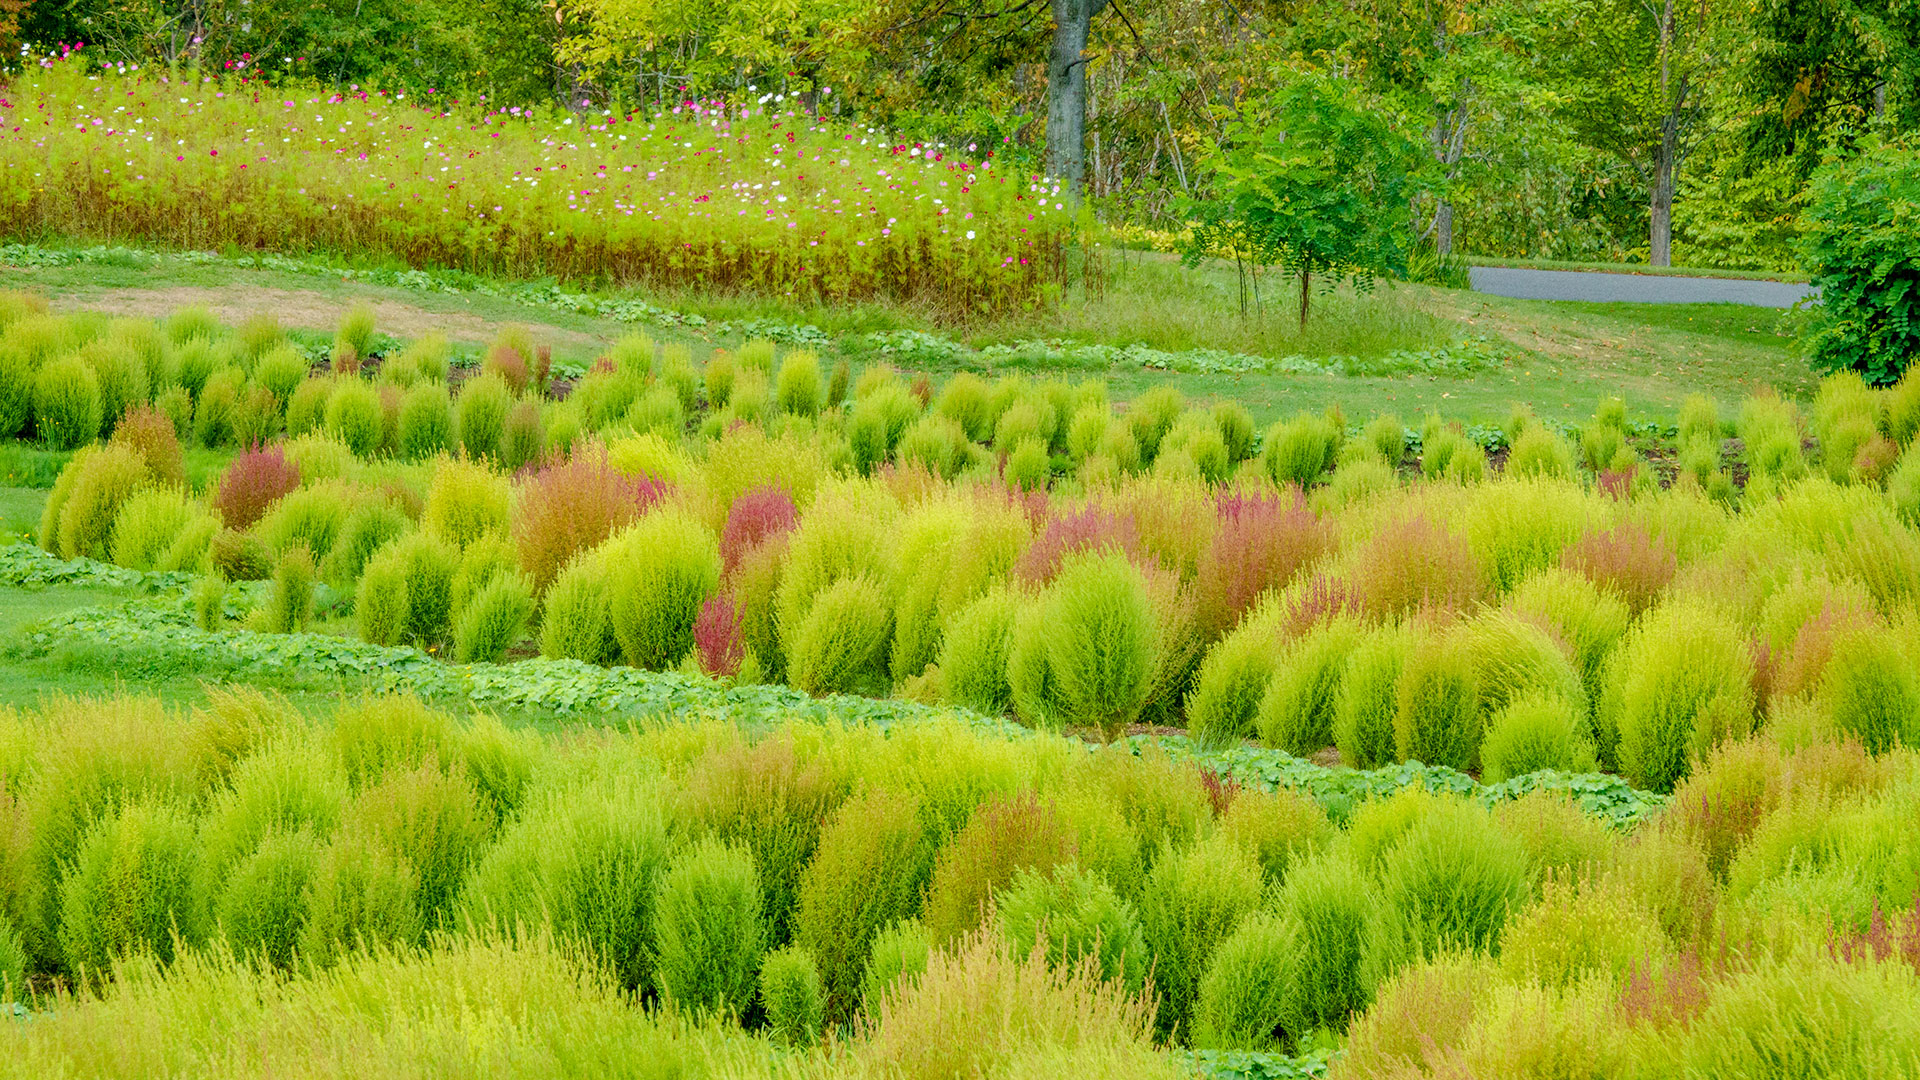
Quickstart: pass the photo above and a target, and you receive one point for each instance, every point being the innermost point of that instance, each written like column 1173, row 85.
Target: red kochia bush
column 1261, row 543
column 1626, row 560
column 754, row 516
column 255, row 480
column 716, row 634
column 1091, row 528
column 570, row 506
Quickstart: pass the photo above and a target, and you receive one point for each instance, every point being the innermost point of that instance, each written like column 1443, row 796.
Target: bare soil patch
column 294, row 308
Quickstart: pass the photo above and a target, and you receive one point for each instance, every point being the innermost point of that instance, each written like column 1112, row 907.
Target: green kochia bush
column 1870, row 691
column 1224, row 706
column 1077, row 915
column 663, row 569
column 1438, row 717
column 1682, row 682
column 1451, row 880
column 840, row 646
column 708, row 929
column 1243, row 998
column 261, row 910
column 1369, row 700
column 481, row 412
column 585, row 862
column 974, row 653
column 353, row 416
column 577, row 623
column 426, row 422
column 494, row 619
column 1193, row 901
column 1088, row 658
column 793, row 996
column 865, row 875
column 130, row 888
column 67, row 407
column 1298, row 710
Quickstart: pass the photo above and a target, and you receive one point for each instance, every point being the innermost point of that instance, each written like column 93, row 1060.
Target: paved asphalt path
column 1523, row 284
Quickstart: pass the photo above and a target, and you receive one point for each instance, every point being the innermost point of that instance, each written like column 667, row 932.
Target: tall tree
column 1067, row 88
column 1632, row 78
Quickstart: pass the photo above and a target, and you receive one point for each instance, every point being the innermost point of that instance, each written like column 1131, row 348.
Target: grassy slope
column 1577, row 353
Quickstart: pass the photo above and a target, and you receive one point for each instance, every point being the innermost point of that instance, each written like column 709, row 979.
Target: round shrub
column 900, row 953
column 1870, row 692
column 577, row 622
column 1151, row 416
column 663, row 568
column 525, row 438
column 148, row 432
column 362, row 896
column 354, row 416
column 289, row 605
column 1077, row 915
column 1297, row 712
column 122, row 377
column 376, row 736
column 1004, row 836
column 281, row 370
column 1561, row 840
column 1515, row 657
column 583, row 862
column 1451, row 881
column 937, row 443
column 17, row 370
column 426, row 422
column 217, row 409
column 254, row 481
column 380, row 601
column 307, row 406
column 1224, row 707
column 1277, row 828
column 239, row 556
column 146, row 526
column 192, row 544
column 866, row 875
column 792, row 996
column 429, row 565
column 103, row 482
column 974, row 653
column 877, row 424
column 130, row 888
column 1301, row 450
column 1576, row 931
column 1102, row 643
column 840, row 646
column 708, row 931
column 482, row 560
column 1539, row 452
column 1534, row 732
column 1682, row 683
column 466, row 501
column 1193, row 901
column 1369, row 699
column 1243, row 998
column 1028, row 467
column 1437, row 718
column 797, row 388
column 493, row 619
column 262, row 908
column 1332, row 914
column 13, row 964
column 311, row 517
column 657, row 412
column 366, row 530
column 67, row 410
column 480, row 415
column 289, row 784
column 966, row 398
column 433, row 820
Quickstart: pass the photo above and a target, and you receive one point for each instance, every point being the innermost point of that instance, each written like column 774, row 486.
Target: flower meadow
column 1022, row 870
column 757, row 195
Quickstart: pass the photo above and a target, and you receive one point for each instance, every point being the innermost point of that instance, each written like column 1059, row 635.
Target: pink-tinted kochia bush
column 716, row 634
column 1261, row 542
column 1090, row 528
column 255, row 480
column 570, row 506
column 754, row 516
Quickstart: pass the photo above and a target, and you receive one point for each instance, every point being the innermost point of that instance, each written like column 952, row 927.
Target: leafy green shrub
column 1101, row 643
column 1331, row 911
column 426, row 422
column 974, row 652
column 877, row 424
column 366, row 530
column 1858, row 250
column 79, row 520
column 481, row 562
column 1224, row 706
column 966, row 398
column 524, row 439
column 577, row 622
column 466, row 501
column 147, row 525
column 584, row 863
column 1540, row 452
column 1437, row 720
column 1301, row 450
column 309, row 517
column 130, row 888
column 1151, row 416
column 17, row 370
column 122, row 377
column 1277, row 828
column 409, row 806
column 708, row 931
column 380, row 601
column 657, row 412
column 1413, row 563
column 1369, row 699
column 378, row 735
column 936, row 442
column 289, row 604
column 1193, row 901
column 261, row 910
column 210, row 601
column 1077, row 915
column 1243, row 999
column 792, row 996
column 306, row 408
column 865, row 875
column 13, row 964
column 239, row 556
column 361, row 896
column 149, row 433
column 663, row 568
column 67, row 406
column 420, row 606
column 1028, row 467
column 1870, row 691
column 480, row 415
column 1577, row 931
column 494, row 619
column 1533, row 732
column 353, row 416
column 1451, row 881
column 1297, row 712
column 900, row 953
column 840, row 646
column 1682, row 682
column 281, row 371
column 1004, row 836
column 797, row 389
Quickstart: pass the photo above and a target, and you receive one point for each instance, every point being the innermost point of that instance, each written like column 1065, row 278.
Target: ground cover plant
column 761, row 196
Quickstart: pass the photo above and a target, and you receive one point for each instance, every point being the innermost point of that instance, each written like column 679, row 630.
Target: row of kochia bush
column 1529, row 621
column 816, row 878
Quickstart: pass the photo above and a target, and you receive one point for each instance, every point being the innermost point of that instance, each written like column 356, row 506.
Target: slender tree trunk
column 1067, row 89
column 1660, row 208
column 1306, row 276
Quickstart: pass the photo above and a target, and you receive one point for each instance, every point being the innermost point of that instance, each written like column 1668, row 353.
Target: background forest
column 1660, row 131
